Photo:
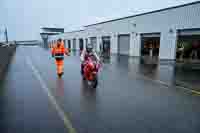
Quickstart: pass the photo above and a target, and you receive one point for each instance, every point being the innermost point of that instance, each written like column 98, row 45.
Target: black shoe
column 60, row 74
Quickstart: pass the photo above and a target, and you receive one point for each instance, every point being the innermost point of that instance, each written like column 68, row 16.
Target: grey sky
column 25, row 17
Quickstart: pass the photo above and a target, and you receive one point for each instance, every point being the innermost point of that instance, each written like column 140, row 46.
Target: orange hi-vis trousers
column 60, row 66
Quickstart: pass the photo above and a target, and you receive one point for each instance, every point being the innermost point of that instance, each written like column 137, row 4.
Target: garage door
column 74, row 44
column 69, row 44
column 150, row 44
column 80, row 44
column 188, row 45
column 123, row 44
column 188, row 32
column 94, row 42
column 105, row 46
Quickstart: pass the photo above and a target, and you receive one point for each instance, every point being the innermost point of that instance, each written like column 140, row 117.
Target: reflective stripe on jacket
column 58, row 52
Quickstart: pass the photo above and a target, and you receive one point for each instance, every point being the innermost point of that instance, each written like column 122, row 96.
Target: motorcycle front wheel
column 95, row 82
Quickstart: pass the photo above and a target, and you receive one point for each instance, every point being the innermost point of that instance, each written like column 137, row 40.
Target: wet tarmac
column 129, row 97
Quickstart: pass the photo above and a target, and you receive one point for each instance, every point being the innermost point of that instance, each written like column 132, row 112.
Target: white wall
column 135, row 45
column 178, row 18
column 168, row 45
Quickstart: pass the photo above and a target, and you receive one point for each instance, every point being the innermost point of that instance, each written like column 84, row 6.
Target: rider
column 88, row 53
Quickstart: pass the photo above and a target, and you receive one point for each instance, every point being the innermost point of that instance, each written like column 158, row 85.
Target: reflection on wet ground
column 167, row 71
column 60, row 87
column 127, row 98
column 88, row 97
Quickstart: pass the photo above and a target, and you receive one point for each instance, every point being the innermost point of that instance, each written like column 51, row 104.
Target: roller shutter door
column 123, row 44
column 94, row 42
column 69, row 44
column 74, row 44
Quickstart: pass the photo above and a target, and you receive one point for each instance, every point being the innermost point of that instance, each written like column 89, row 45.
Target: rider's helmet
column 89, row 48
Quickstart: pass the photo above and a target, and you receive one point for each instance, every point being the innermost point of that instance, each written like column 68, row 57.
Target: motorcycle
column 90, row 72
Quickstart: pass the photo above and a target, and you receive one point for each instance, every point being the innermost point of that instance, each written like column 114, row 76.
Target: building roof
column 74, row 31
column 169, row 8
column 28, row 41
column 50, row 33
column 51, row 28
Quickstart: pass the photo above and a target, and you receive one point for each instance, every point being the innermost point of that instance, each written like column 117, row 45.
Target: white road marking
column 52, row 99
column 168, row 85
column 191, row 90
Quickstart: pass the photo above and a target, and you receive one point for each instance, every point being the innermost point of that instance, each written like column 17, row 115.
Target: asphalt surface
column 129, row 98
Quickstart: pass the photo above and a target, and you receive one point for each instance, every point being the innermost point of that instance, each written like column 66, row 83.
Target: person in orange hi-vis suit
column 58, row 52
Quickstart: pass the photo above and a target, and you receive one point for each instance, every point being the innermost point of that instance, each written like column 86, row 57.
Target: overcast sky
column 25, row 17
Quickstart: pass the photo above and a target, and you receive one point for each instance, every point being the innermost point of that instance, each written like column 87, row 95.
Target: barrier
column 6, row 53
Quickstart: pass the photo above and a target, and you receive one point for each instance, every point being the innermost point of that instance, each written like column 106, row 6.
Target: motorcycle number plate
column 89, row 83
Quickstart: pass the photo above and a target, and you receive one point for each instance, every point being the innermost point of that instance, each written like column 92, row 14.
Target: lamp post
column 6, row 35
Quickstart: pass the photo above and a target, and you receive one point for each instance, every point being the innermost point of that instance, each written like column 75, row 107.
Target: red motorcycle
column 90, row 71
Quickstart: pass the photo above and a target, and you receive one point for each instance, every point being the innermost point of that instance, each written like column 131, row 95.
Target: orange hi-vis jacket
column 58, row 52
